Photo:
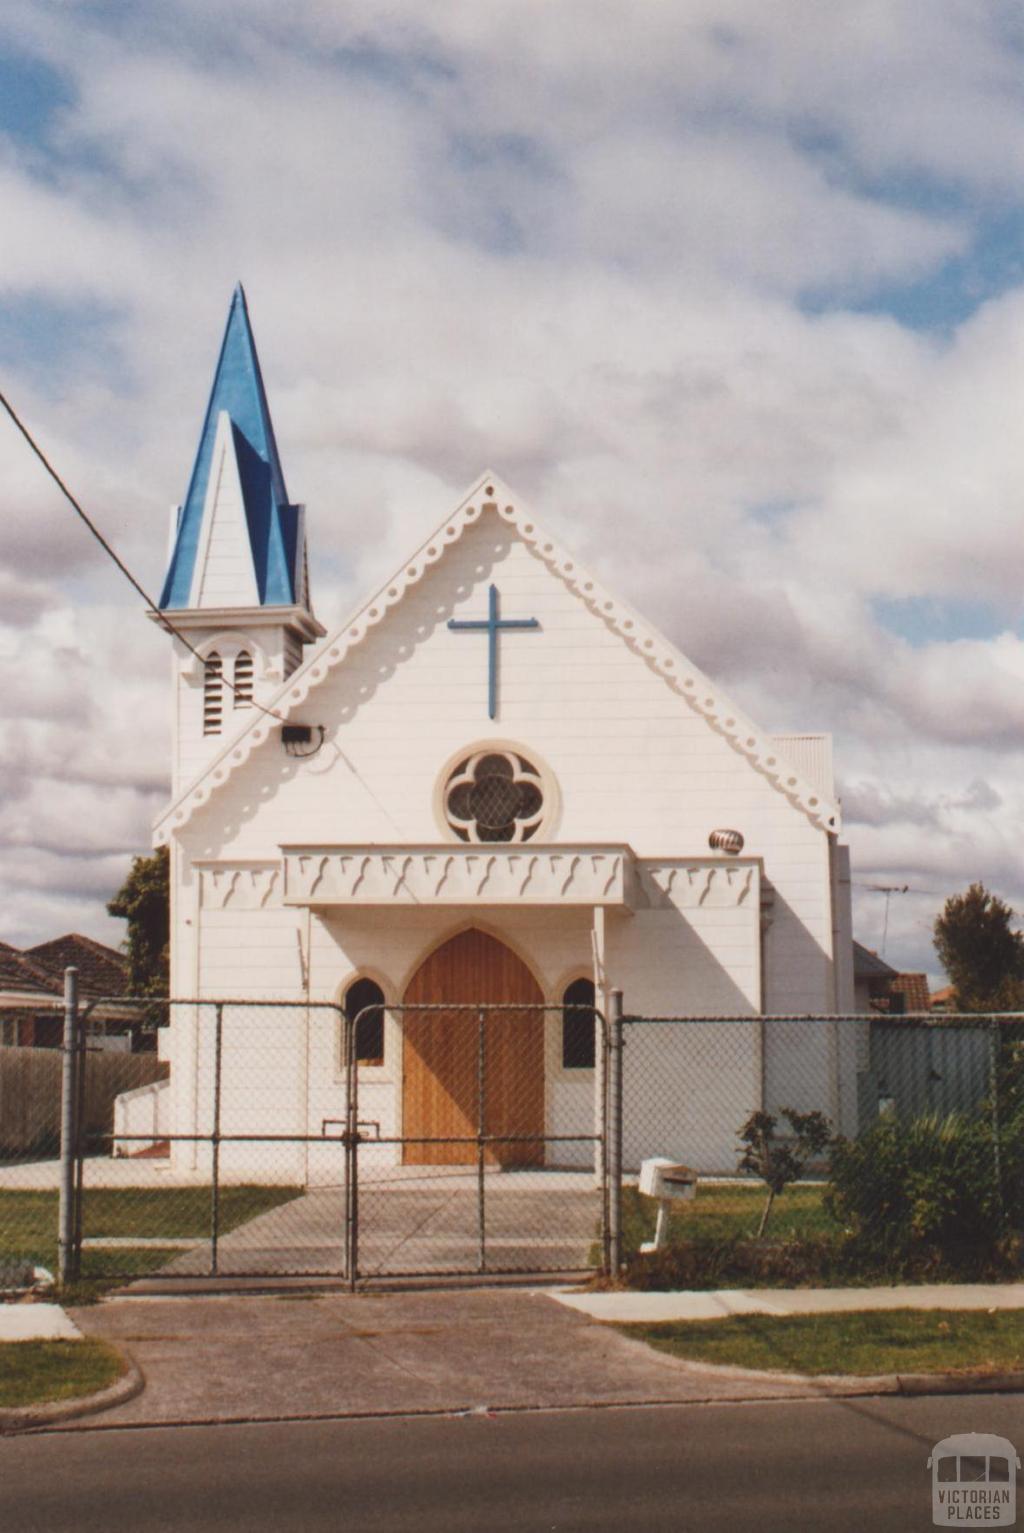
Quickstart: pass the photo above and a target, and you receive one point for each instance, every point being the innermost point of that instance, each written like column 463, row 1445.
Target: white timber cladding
column 272, row 648
column 499, row 519
column 224, row 575
column 812, row 756
column 293, row 876
column 633, row 760
column 283, row 1067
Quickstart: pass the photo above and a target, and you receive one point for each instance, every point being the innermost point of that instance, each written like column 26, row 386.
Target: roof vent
column 729, row 841
column 302, row 739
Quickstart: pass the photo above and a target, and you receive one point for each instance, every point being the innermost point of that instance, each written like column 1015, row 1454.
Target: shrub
column 780, row 1164
column 923, row 1193
column 716, row 1261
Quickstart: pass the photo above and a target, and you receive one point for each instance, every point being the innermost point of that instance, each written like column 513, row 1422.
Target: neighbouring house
column 31, row 1001
column 493, row 782
column 32, row 994
column 102, row 970
column 872, row 980
column 880, row 988
column 909, row 1064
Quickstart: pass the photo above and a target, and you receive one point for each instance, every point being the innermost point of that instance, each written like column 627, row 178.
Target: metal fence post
column 997, row 1167
column 81, row 1130
column 481, row 1116
column 67, row 1254
column 218, row 1047
column 351, row 1256
column 614, row 1130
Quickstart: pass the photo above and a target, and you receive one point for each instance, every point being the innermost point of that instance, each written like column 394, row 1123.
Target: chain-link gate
column 266, row 1139
column 493, row 1165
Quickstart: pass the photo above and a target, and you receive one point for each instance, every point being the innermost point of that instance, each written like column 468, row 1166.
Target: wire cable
column 154, row 610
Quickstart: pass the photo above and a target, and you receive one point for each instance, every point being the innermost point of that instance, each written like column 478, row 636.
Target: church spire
column 237, row 540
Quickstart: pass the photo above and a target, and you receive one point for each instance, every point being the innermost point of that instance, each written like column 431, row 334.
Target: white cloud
column 611, row 252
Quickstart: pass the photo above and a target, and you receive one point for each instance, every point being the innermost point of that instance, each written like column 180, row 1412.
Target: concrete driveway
column 236, row 1358
column 415, row 1219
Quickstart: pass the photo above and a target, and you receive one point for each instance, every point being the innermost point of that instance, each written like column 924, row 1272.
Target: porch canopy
column 598, row 875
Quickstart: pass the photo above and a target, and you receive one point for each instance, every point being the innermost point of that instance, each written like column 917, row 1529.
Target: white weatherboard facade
column 294, row 876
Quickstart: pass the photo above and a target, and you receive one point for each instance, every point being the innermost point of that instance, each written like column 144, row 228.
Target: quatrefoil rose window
column 494, row 795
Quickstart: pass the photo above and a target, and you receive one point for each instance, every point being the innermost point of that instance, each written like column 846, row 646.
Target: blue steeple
column 274, row 526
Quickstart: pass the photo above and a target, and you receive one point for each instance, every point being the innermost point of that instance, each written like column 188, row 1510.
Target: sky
column 731, row 293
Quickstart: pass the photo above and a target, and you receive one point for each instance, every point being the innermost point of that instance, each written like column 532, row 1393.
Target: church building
column 494, row 782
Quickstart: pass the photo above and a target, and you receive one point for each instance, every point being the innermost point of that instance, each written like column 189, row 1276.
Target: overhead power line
column 151, row 605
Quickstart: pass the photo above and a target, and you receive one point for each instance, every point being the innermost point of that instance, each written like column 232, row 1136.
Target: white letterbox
column 668, row 1181
column 661, row 1178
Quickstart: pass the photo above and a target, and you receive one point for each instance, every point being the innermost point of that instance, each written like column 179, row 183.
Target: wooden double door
column 459, row 1069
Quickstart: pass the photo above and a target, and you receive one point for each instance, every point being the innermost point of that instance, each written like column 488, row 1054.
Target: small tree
column 982, row 955
column 780, row 1164
column 143, row 900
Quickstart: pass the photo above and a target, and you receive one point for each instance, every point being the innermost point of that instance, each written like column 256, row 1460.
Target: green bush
column 921, row 1194
column 717, row 1261
column 777, row 1163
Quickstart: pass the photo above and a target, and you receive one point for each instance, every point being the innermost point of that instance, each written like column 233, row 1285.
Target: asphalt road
column 842, row 1466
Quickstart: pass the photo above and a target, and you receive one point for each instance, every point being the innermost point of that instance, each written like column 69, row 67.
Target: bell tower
column 237, row 581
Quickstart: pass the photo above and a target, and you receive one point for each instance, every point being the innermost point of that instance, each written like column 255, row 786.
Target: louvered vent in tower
column 243, row 680
column 213, row 694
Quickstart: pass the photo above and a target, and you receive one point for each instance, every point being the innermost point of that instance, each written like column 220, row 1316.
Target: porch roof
column 461, row 875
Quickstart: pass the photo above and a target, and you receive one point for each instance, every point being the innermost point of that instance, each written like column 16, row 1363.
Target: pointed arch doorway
column 452, row 1067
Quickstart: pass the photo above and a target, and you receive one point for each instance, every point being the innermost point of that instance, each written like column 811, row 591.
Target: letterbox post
column 667, row 1181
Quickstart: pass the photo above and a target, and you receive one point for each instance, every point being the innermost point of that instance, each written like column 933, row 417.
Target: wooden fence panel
column 30, row 1095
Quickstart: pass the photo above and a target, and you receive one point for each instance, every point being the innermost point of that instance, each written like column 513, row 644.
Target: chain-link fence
column 690, row 1082
column 268, row 1138
column 245, row 1138
column 892, row 1112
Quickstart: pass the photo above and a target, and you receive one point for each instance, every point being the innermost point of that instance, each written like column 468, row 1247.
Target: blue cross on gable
column 491, row 625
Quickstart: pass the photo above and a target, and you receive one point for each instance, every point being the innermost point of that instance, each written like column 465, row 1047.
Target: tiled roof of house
column 20, row 972
column 102, row 970
column 914, row 989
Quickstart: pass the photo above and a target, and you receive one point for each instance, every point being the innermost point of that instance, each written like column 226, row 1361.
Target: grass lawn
column 723, row 1211
column 34, row 1372
column 28, row 1221
column 864, row 1342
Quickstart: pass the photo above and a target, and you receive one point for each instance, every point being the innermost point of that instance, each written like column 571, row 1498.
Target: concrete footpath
column 628, row 1307
column 241, row 1358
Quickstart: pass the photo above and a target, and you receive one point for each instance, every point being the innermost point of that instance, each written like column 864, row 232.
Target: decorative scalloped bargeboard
column 676, row 670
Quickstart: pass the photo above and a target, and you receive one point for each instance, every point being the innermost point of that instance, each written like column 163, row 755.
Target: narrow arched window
column 213, row 694
column 364, row 1005
column 578, row 1023
column 243, row 680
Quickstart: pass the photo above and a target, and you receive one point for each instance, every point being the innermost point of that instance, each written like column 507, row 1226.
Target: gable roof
column 19, row 972
column 490, row 497
column 102, row 971
column 238, row 418
column 868, row 965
